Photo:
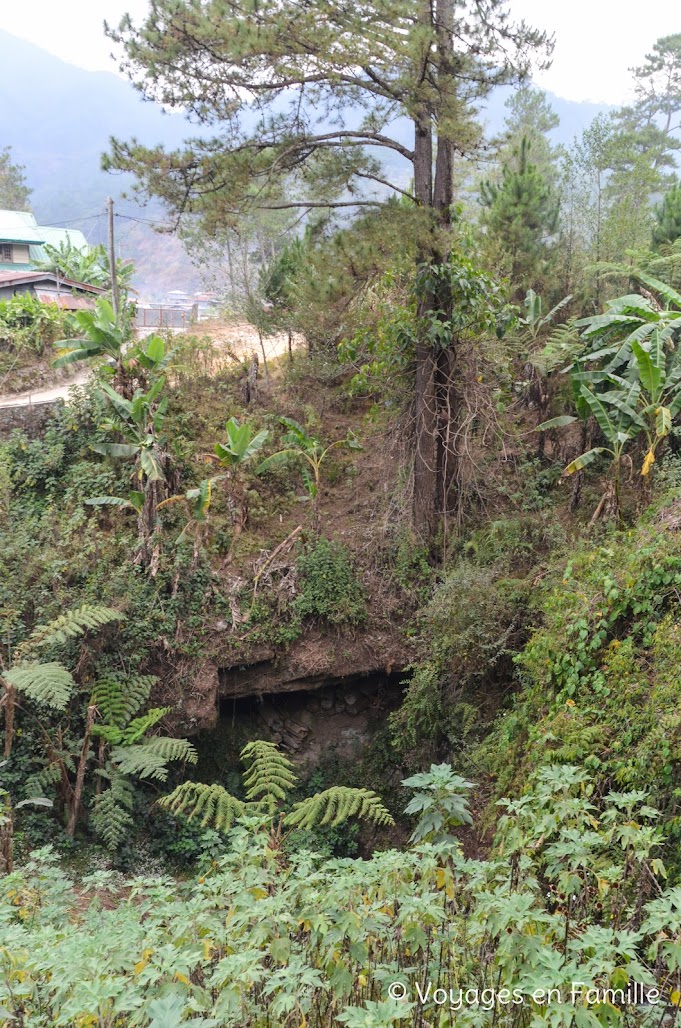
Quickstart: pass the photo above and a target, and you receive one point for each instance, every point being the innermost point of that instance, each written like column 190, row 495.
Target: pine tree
column 521, row 215
column 297, row 94
column 14, row 193
column 667, row 227
column 531, row 117
column 652, row 122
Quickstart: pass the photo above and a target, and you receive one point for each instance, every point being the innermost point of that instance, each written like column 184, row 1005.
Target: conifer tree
column 14, row 193
column 667, row 227
column 521, row 213
column 299, row 93
column 530, row 116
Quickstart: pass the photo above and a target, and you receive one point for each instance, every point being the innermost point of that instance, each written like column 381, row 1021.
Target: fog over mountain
column 58, row 119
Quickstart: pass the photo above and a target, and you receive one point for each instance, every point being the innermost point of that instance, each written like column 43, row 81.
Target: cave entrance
column 341, row 716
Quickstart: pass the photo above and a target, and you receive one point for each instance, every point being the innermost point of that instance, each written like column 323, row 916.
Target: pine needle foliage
column 270, row 775
column 337, row 805
column 268, row 780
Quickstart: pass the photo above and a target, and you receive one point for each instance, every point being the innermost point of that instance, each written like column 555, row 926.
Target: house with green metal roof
column 22, row 240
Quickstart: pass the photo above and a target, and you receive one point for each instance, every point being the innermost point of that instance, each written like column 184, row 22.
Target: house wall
column 7, row 292
column 20, row 254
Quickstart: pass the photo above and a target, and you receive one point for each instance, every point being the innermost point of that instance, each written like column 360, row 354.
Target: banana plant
column 635, row 386
column 630, row 319
column 139, row 420
column 104, row 336
column 241, row 445
column 198, row 501
column 618, row 420
column 152, row 357
column 310, row 453
column 535, row 321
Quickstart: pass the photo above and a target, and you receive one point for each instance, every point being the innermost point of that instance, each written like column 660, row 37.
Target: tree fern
column 134, row 731
column 72, row 624
column 337, row 805
column 38, row 783
column 48, row 684
column 267, row 781
column 211, row 803
column 270, row 774
column 560, row 349
column 150, row 759
column 120, row 697
column 111, row 818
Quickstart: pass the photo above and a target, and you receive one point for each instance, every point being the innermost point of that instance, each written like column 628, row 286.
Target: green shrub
column 573, row 892
column 600, row 679
column 470, row 630
column 328, row 585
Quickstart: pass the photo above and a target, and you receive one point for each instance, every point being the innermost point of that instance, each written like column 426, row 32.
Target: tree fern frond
column 141, row 725
column 560, row 349
column 150, row 759
column 111, row 817
column 76, row 622
column 120, row 697
column 337, row 805
column 270, row 774
column 212, row 804
column 39, row 783
column 110, row 733
column 48, row 684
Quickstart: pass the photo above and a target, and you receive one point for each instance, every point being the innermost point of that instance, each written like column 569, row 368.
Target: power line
column 60, row 224
column 142, row 221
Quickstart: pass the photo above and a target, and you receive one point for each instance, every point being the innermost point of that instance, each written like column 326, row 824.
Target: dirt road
column 238, row 337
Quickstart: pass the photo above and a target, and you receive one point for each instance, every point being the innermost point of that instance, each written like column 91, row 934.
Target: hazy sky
column 596, row 40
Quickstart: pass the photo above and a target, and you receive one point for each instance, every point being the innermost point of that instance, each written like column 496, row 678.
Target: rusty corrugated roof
column 17, row 278
column 67, row 301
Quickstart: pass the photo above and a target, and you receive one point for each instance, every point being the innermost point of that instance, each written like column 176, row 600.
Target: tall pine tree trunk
column 433, row 385
column 425, row 398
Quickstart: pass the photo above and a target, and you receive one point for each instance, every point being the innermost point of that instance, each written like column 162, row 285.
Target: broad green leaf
column 115, row 449
column 663, row 422
column 150, row 466
column 664, row 290
column 584, row 460
column 107, row 501
column 650, row 374
column 599, row 411
column 155, row 349
column 559, row 422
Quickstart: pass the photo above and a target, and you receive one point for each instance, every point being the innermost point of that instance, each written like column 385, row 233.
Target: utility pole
column 112, row 256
